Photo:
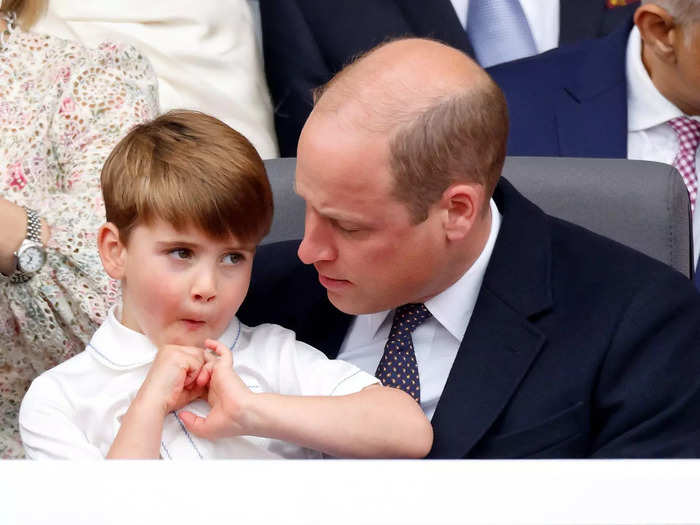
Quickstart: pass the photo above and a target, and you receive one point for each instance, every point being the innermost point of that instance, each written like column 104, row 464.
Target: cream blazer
column 205, row 54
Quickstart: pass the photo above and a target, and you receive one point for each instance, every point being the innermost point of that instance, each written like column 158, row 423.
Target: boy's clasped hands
column 181, row 374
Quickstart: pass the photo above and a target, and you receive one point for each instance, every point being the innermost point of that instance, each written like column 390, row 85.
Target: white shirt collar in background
column 646, row 107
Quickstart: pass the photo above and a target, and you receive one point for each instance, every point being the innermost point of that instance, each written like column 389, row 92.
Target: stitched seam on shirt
column 167, row 452
column 238, row 334
column 348, row 378
column 182, row 426
column 105, row 357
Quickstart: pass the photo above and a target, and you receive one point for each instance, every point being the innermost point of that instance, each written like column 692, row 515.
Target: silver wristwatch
column 30, row 256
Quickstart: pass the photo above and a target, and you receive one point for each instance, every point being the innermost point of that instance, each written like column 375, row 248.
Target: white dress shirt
column 649, row 136
column 75, row 409
column 542, row 17
column 437, row 340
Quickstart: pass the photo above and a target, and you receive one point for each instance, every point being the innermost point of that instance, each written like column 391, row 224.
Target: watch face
column 31, row 259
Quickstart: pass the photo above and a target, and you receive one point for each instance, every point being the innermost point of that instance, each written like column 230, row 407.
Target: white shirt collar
column 453, row 307
column 122, row 348
column 646, row 106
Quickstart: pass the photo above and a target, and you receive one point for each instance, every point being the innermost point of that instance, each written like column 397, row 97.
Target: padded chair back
column 643, row 205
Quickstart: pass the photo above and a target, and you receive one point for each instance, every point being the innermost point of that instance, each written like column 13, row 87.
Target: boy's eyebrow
column 188, row 244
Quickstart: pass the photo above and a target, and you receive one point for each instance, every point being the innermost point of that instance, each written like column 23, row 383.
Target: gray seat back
column 643, row 205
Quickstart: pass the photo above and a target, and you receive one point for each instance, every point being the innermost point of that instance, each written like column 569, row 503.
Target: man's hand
column 177, row 376
column 228, row 396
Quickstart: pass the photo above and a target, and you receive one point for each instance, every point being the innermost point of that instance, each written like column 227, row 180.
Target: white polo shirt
column 75, row 409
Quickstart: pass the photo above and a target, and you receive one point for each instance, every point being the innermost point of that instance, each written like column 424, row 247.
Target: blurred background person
column 206, row 55
column 305, row 42
column 62, row 109
column 633, row 94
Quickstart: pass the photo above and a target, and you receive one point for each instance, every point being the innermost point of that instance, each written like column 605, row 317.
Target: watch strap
column 33, row 225
column 33, row 234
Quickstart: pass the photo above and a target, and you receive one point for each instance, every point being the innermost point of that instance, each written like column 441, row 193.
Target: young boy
column 187, row 201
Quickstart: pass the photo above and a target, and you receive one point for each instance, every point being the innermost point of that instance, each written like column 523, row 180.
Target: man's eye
column 181, row 253
column 233, row 258
column 346, row 228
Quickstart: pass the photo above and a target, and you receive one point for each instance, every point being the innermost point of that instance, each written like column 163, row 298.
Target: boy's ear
column 112, row 250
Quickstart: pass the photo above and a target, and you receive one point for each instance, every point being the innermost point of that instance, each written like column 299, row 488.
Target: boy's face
column 182, row 287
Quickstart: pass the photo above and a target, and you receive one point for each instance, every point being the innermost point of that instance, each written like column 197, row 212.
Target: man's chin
column 351, row 305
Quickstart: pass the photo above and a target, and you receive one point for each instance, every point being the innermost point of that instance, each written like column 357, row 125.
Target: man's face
column 369, row 254
column 182, row 287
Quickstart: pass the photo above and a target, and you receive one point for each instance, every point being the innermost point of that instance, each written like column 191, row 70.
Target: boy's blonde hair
column 188, row 169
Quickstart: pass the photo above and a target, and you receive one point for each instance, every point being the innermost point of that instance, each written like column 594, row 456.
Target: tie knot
column 408, row 317
column 688, row 131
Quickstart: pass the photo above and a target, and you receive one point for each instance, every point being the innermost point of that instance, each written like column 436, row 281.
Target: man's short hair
column 460, row 138
column 188, row 169
column 457, row 137
column 682, row 11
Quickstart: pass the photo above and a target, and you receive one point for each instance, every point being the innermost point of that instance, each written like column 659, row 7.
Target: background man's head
column 670, row 31
column 397, row 163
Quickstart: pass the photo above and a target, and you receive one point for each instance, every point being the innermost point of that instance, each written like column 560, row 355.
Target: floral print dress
column 63, row 107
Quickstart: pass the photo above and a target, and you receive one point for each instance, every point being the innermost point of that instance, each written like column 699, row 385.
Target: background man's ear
column 462, row 203
column 658, row 30
column 112, row 251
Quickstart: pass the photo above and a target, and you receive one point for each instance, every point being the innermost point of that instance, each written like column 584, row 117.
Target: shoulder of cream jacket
column 206, row 54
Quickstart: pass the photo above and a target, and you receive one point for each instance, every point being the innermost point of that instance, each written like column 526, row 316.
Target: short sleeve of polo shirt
column 291, row 367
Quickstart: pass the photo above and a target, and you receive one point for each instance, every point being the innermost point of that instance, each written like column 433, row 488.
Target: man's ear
column 461, row 203
column 658, row 30
column 112, row 250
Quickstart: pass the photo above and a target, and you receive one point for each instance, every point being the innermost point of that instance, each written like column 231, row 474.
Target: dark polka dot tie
column 398, row 367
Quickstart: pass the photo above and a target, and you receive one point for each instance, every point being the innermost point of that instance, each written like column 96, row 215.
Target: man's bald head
column 445, row 119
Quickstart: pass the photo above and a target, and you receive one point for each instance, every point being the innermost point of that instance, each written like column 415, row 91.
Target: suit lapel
column 591, row 107
column 500, row 343
column 439, row 21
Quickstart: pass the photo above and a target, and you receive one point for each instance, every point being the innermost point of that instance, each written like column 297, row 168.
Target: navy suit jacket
column 305, row 42
column 577, row 346
column 569, row 102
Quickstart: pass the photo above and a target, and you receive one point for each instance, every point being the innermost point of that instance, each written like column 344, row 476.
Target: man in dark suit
column 305, row 42
column 633, row 94
column 527, row 336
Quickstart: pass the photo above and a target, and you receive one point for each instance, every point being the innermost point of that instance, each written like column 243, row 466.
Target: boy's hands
column 228, row 396
column 177, row 376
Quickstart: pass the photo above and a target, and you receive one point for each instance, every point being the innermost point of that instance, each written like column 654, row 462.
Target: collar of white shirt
column 121, row 348
column 646, row 107
column 453, row 307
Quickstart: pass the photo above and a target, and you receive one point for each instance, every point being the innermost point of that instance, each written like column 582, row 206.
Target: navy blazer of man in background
column 577, row 347
column 569, row 102
column 306, row 42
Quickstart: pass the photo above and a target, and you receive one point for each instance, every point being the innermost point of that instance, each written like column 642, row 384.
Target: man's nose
column 317, row 244
column 204, row 286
